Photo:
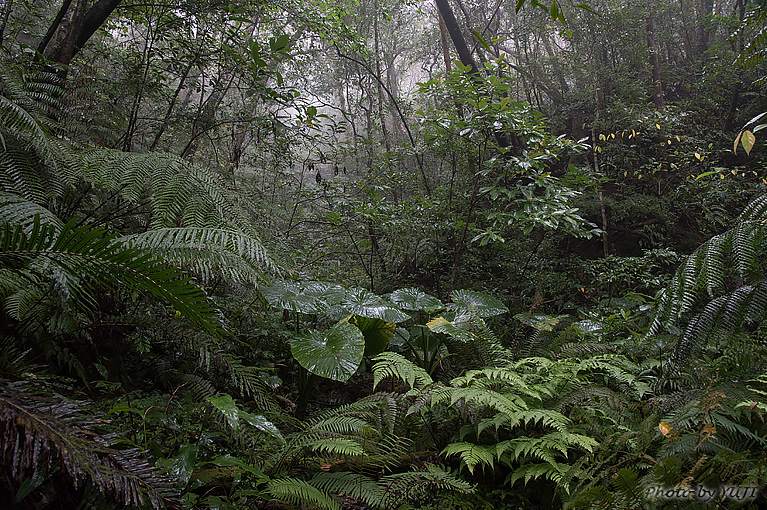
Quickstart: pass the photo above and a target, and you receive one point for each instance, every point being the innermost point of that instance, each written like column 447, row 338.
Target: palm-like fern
column 75, row 258
column 723, row 281
column 209, row 251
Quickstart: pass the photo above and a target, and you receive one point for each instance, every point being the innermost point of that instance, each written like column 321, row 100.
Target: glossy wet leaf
column 377, row 333
column 261, row 423
column 292, row 296
column 459, row 330
column 477, row 303
column 335, row 354
column 365, row 303
column 228, row 408
column 182, row 464
column 414, row 299
column 539, row 321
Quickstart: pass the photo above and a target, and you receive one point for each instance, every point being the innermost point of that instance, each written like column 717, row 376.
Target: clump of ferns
column 366, row 436
column 364, row 454
column 709, row 437
column 561, row 337
column 719, row 290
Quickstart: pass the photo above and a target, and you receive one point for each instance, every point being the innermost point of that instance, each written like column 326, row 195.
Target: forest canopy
column 380, row 254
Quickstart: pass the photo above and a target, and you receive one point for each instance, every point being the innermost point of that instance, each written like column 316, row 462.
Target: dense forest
column 383, row 254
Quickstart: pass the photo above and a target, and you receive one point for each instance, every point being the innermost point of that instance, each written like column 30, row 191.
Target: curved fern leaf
column 208, row 250
column 83, row 256
column 394, row 365
column 299, row 492
column 51, row 432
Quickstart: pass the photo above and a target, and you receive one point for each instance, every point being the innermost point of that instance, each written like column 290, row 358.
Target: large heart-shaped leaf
column 540, row 321
column 377, row 333
column 460, row 329
column 292, row 296
column 330, row 293
column 365, row 303
column 334, row 354
column 477, row 303
column 414, row 299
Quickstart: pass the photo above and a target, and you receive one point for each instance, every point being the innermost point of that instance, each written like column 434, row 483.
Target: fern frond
column 532, row 471
column 209, row 250
column 51, row 432
column 179, row 193
column 390, row 364
column 705, row 272
column 391, row 490
column 359, row 487
column 299, row 492
column 727, row 314
column 211, row 357
column 17, row 210
column 337, row 446
column 84, row 255
column 419, row 484
column 472, row 455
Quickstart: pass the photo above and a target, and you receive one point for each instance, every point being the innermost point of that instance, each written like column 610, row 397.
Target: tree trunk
column 445, row 47
column 7, row 8
column 381, row 116
column 456, row 35
column 704, row 33
column 654, row 62
column 72, row 28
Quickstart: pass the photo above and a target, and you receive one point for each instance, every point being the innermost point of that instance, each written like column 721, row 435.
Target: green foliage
column 209, row 251
column 46, row 434
column 395, row 366
column 84, row 255
column 335, row 354
column 721, row 283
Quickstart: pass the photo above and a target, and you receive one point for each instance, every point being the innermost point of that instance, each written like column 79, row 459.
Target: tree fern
column 395, row 366
column 17, row 210
column 752, row 30
column 75, row 258
column 177, row 192
column 209, row 251
column 704, row 285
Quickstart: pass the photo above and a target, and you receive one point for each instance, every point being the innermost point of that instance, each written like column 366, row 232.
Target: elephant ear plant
column 364, row 324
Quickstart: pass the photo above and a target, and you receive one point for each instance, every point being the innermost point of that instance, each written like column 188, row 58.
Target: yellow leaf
column 633, row 133
column 748, row 140
column 601, row 136
column 734, row 172
column 678, row 139
column 612, row 135
column 669, row 142
column 665, row 428
column 735, row 145
column 721, row 176
column 697, row 155
column 657, row 126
